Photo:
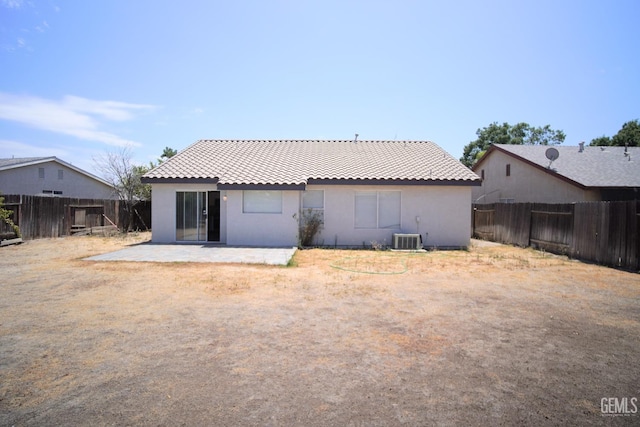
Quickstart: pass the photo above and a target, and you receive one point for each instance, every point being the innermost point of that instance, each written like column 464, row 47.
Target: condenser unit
column 407, row 241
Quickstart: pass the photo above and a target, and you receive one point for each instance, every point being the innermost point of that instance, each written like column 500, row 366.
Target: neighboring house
column 523, row 173
column 255, row 192
column 50, row 176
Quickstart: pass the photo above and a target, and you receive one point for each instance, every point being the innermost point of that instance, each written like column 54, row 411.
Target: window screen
column 377, row 209
column 256, row 201
column 313, row 199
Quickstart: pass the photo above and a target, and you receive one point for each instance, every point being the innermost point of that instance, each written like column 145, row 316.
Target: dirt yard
column 493, row 336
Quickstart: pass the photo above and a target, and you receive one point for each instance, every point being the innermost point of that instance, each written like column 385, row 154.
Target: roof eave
column 177, row 180
column 412, row 182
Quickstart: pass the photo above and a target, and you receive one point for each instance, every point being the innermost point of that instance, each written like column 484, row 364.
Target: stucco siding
column 163, row 210
column 441, row 214
column 525, row 183
column 262, row 229
column 26, row 180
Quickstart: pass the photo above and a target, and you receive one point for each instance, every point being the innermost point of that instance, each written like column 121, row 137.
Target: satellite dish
column 552, row 153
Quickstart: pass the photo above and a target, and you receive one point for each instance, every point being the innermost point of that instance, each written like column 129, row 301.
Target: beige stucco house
column 50, row 176
column 240, row 192
column 524, row 173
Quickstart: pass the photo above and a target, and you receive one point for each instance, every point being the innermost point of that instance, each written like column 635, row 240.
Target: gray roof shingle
column 594, row 167
column 295, row 162
column 5, row 163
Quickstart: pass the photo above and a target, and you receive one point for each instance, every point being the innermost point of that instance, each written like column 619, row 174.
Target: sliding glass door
column 191, row 216
column 198, row 216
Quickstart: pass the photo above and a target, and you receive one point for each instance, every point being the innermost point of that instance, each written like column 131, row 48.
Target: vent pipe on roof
column 581, row 147
column 356, row 138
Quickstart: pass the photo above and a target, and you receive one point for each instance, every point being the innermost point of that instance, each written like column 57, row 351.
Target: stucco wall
column 525, row 184
column 444, row 215
column 25, row 180
column 163, row 210
column 256, row 229
column 444, row 212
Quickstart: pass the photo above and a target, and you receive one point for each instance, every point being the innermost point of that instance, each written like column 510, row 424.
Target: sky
column 79, row 79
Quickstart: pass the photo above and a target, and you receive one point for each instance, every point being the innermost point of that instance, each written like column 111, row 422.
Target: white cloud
column 13, row 4
column 42, row 28
column 75, row 116
column 20, row 149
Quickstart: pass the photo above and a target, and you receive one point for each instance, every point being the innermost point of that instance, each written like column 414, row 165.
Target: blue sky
column 80, row 78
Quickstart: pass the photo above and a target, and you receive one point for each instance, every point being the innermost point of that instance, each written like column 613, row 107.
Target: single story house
column 50, row 176
column 557, row 174
column 257, row 193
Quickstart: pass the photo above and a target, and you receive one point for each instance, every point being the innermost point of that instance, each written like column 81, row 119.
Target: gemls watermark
column 619, row 407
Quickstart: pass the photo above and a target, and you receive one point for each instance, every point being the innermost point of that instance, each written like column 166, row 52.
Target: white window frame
column 377, row 210
column 306, row 205
column 314, row 207
column 271, row 203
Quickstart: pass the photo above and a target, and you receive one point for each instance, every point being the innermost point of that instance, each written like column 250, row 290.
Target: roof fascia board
column 265, row 187
column 411, row 182
column 152, row 180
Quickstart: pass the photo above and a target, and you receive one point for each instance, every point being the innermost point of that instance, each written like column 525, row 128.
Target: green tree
column 601, row 140
column 628, row 134
column 167, row 153
column 5, row 216
column 518, row 134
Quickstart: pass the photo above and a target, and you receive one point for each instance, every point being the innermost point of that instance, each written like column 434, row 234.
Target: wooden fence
column 44, row 217
column 602, row 232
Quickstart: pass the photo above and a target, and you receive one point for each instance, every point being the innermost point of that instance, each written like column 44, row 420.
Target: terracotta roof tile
column 294, row 162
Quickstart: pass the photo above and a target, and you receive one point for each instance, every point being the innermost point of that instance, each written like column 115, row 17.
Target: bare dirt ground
column 493, row 336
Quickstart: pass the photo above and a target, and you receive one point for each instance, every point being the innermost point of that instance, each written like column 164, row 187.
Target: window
column 47, row 191
column 41, row 173
column 482, row 174
column 377, row 209
column 313, row 204
column 313, row 199
column 57, row 192
column 508, row 171
column 60, row 173
column 257, row 201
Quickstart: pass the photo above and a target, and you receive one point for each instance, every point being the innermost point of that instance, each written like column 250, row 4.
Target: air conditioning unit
column 407, row 241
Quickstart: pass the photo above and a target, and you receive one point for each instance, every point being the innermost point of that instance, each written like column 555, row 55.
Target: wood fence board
column 604, row 232
column 46, row 217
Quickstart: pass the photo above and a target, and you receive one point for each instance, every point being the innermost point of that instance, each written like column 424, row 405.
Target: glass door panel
column 191, row 216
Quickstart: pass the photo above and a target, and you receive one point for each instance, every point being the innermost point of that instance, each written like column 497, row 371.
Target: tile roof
column 593, row 167
column 295, row 162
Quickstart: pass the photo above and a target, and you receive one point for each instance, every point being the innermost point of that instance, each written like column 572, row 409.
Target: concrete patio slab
column 149, row 252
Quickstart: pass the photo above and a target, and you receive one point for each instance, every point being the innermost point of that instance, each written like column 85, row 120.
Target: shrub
column 310, row 223
column 5, row 216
